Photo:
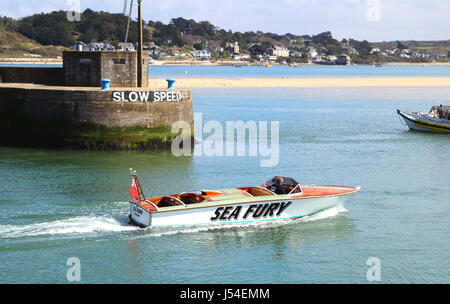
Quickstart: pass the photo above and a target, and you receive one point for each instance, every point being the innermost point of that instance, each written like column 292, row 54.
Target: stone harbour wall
column 39, row 75
column 91, row 118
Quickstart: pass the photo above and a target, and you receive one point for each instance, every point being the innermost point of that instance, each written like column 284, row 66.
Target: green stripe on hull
column 236, row 222
column 228, row 197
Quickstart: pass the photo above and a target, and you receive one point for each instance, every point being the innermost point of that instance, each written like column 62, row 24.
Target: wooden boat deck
column 232, row 196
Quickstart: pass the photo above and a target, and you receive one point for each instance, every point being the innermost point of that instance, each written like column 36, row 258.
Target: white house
column 201, row 54
column 127, row 46
column 294, row 53
column 241, row 56
column 312, row 52
column 279, row 51
column 232, row 47
column 81, row 46
column 404, row 55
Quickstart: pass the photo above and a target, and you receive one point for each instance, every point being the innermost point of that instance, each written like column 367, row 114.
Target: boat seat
column 259, row 191
column 168, row 201
column 191, row 198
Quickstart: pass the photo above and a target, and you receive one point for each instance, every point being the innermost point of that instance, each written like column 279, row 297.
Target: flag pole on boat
column 135, row 183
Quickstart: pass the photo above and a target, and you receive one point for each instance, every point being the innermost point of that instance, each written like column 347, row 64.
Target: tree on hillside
column 64, row 34
column 183, row 25
column 401, row 46
column 166, row 34
column 363, row 47
column 260, row 49
column 326, row 41
column 324, row 38
column 54, row 28
column 8, row 23
column 198, row 46
column 26, row 29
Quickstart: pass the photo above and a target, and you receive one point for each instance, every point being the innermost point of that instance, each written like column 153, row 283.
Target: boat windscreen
column 287, row 181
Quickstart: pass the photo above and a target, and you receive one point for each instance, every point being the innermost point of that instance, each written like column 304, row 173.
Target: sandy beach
column 32, row 61
column 53, row 61
column 187, row 83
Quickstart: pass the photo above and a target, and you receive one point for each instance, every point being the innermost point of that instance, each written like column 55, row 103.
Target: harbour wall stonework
column 32, row 115
column 38, row 75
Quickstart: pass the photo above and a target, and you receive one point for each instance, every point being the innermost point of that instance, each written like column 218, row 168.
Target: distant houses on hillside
column 278, row 51
column 295, row 51
column 232, row 47
column 127, row 46
column 343, row 59
column 202, row 54
column 81, row 46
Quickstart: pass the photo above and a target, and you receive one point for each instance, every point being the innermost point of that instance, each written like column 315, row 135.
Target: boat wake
column 75, row 225
column 85, row 225
column 325, row 214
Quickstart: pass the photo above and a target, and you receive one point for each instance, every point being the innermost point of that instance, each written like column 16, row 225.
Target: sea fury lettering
column 146, row 96
column 253, row 211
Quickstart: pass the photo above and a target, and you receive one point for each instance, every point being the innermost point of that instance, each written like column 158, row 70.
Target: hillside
column 14, row 45
column 36, row 34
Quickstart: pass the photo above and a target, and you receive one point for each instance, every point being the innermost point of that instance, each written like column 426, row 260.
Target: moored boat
column 233, row 205
column 427, row 122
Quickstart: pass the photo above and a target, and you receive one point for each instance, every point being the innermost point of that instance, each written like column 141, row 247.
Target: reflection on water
column 135, row 258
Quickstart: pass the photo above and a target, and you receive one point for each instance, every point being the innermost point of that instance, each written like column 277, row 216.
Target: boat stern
column 139, row 215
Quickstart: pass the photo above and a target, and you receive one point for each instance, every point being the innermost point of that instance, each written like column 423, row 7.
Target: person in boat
column 442, row 113
column 277, row 187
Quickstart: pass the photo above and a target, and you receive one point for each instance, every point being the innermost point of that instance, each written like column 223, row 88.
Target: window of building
column 119, row 61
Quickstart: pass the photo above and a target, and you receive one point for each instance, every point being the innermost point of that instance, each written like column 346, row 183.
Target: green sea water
column 60, row 204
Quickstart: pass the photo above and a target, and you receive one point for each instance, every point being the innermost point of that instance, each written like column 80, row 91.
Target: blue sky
column 374, row 20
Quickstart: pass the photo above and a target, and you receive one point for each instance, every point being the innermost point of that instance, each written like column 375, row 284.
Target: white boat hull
column 420, row 122
column 272, row 210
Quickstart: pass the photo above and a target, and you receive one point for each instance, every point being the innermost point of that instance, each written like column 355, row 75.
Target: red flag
column 133, row 189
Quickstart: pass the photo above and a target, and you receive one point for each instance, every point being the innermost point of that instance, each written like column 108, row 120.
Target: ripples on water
column 57, row 204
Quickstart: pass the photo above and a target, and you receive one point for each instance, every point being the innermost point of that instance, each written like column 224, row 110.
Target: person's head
column 279, row 180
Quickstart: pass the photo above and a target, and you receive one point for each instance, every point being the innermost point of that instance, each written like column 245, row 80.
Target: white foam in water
column 326, row 213
column 75, row 225
column 96, row 224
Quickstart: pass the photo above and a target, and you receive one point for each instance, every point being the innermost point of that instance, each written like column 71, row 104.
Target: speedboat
column 428, row 122
column 233, row 205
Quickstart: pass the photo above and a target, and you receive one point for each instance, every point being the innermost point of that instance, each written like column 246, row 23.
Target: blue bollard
column 105, row 83
column 171, row 83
